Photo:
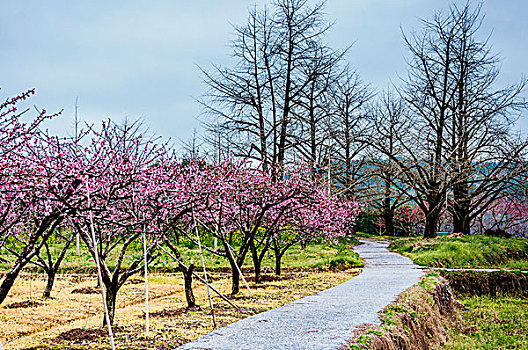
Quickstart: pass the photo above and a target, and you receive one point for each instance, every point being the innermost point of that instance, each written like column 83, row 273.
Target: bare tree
column 461, row 140
column 388, row 189
column 253, row 102
column 313, row 107
column 485, row 155
column 347, row 125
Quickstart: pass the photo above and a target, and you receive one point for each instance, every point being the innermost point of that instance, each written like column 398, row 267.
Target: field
column 72, row 318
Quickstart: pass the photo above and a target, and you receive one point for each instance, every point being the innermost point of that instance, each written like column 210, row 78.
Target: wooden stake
column 77, row 243
column 205, row 272
column 99, row 275
column 238, row 268
column 146, row 283
column 76, row 125
column 267, row 261
column 201, row 279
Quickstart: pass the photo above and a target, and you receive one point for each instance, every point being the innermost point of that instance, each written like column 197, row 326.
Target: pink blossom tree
column 506, row 216
column 34, row 190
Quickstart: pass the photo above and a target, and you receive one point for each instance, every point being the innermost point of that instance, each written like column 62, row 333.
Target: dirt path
column 324, row 320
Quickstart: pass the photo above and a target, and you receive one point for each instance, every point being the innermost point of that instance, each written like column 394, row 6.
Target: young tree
column 120, row 168
column 35, row 188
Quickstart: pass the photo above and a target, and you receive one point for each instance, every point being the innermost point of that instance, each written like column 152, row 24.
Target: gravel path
column 324, row 320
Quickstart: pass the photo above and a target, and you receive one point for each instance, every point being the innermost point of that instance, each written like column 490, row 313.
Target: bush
column 366, row 222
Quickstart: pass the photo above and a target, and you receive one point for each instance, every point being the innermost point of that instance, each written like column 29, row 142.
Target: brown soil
column 23, row 304
column 488, row 283
column 269, row 278
column 80, row 334
column 135, row 281
column 86, row 290
column 174, row 312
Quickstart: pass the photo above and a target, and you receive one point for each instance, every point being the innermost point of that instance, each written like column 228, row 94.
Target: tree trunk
column 235, row 280
column 461, row 210
column 278, row 258
column 49, row 284
column 257, row 262
column 431, row 224
column 188, row 275
column 111, row 296
column 258, row 273
column 388, row 217
column 8, row 282
column 235, row 263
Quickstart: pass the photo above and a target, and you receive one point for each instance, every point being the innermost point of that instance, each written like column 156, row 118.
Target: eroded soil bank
column 429, row 316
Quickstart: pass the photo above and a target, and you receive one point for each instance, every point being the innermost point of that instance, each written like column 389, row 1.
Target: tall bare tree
column 347, row 126
column 485, row 154
column 253, row 102
column 462, row 152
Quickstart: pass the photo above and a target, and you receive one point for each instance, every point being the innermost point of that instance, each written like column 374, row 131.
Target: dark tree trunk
column 388, row 217
column 461, row 209
column 431, row 223
column 430, row 228
column 235, row 280
column 257, row 262
column 49, row 284
column 258, row 269
column 8, row 281
column 111, row 296
column 278, row 257
column 188, row 275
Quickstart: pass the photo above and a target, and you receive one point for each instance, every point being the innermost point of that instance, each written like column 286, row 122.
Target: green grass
column 317, row 255
column 364, row 235
column 492, row 323
column 313, row 256
column 475, row 251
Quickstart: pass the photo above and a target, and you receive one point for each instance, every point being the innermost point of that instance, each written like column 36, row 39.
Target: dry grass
column 73, row 320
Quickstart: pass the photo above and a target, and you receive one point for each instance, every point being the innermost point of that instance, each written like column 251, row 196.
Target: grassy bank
column 495, row 310
column 475, row 251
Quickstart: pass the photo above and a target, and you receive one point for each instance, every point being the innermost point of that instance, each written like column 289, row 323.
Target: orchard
column 128, row 198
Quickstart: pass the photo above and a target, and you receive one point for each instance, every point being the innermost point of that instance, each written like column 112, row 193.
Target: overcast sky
column 139, row 58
